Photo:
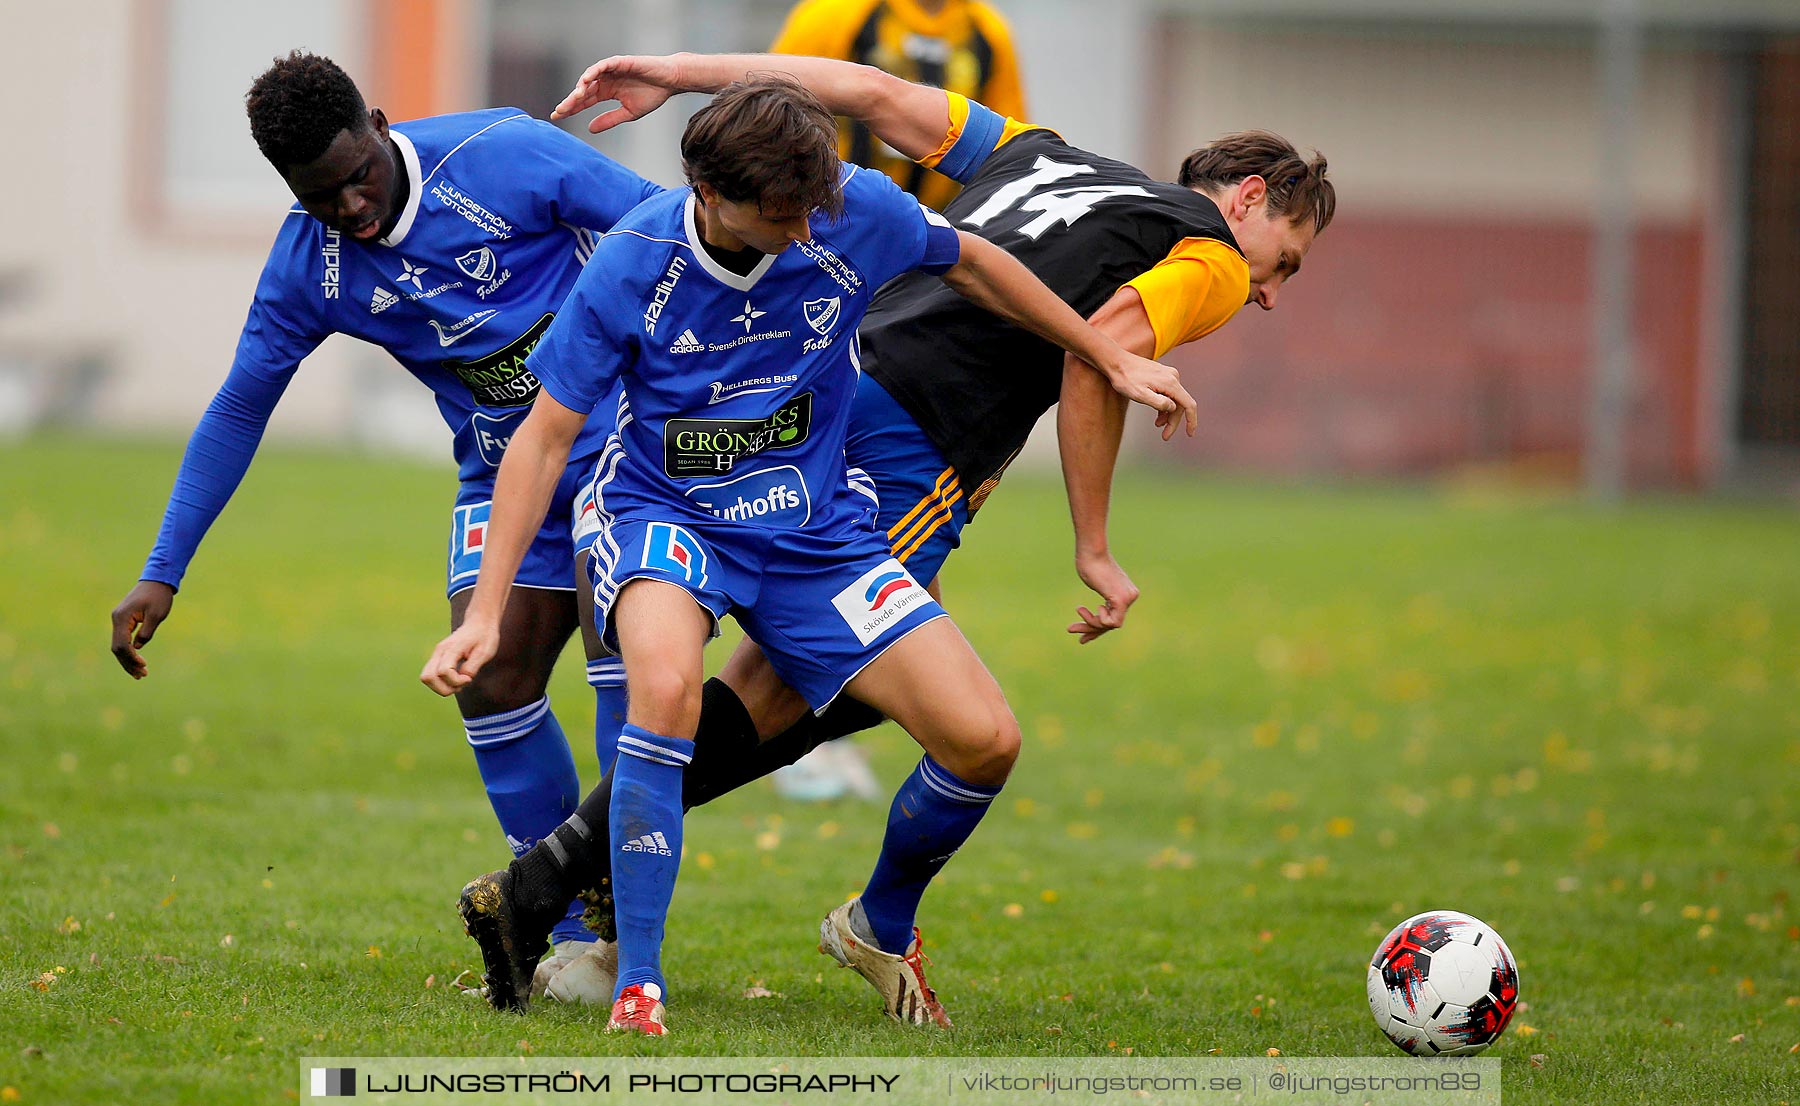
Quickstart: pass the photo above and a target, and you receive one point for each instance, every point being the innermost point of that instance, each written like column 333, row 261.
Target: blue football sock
column 531, row 782
column 933, row 814
column 646, row 846
column 607, row 677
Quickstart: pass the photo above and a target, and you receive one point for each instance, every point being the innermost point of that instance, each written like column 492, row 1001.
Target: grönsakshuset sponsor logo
column 710, row 447
column 501, row 379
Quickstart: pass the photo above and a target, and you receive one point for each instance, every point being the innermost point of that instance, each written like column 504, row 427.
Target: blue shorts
column 922, row 510
column 550, row 559
column 822, row 603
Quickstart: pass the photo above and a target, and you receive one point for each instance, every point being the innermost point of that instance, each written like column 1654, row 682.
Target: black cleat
column 510, row 957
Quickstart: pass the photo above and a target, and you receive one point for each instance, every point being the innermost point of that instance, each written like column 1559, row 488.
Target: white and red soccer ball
column 1443, row 984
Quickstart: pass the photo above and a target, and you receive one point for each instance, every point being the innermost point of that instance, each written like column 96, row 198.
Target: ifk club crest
column 822, row 315
column 479, row 264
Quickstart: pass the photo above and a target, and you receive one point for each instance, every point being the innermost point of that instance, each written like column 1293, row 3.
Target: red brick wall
column 1411, row 346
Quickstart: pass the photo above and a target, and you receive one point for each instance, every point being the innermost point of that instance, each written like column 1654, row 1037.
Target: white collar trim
column 717, row 271
column 409, row 159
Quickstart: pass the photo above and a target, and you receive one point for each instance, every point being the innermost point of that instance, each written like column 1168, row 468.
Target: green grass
column 1332, row 708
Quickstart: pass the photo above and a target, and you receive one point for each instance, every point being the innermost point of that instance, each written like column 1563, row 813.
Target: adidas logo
column 687, row 343
column 381, row 301
column 649, row 843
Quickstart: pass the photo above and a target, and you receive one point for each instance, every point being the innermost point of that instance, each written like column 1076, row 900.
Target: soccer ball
column 1443, row 984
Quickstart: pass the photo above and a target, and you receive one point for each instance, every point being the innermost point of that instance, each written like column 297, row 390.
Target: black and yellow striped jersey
column 964, row 47
column 1087, row 226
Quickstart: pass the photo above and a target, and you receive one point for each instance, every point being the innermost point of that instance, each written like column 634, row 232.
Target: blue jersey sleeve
column 892, row 232
column 943, row 246
column 584, row 187
column 579, row 359
column 277, row 335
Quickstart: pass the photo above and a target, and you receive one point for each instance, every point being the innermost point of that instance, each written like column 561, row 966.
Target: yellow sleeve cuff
column 1193, row 291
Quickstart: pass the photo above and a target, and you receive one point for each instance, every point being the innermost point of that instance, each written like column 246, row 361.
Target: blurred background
column 1567, row 247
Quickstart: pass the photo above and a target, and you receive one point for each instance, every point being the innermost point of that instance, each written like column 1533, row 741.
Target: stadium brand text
column 330, row 253
column 659, row 298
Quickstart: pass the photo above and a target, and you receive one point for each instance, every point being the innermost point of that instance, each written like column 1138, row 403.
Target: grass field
column 1331, row 709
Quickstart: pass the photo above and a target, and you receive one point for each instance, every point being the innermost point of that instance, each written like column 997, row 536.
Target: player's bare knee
column 664, row 699
column 1003, row 752
column 988, row 750
column 500, row 686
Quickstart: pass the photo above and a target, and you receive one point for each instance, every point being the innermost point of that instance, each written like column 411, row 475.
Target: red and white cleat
column 638, row 1010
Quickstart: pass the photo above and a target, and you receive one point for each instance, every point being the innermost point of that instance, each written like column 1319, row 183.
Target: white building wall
column 139, row 221
column 1482, row 124
column 146, row 269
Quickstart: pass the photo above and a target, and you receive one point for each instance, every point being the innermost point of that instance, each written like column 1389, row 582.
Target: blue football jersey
column 502, row 211
column 737, row 389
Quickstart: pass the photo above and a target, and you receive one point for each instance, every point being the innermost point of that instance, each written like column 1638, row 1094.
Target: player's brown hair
column 1298, row 188
column 766, row 141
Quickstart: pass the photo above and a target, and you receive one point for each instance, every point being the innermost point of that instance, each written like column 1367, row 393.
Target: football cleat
column 811, row 779
column 639, row 1010
column 900, row 979
column 510, row 958
column 590, row 975
column 831, row 771
column 562, row 954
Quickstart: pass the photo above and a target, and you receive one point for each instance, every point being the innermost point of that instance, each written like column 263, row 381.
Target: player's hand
column 1117, row 594
column 134, row 623
column 639, row 84
column 458, row 657
column 1157, row 386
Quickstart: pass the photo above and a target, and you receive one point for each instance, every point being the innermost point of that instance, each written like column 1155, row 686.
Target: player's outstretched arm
column 989, row 276
column 534, row 461
column 1090, row 421
column 911, row 118
column 217, row 456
